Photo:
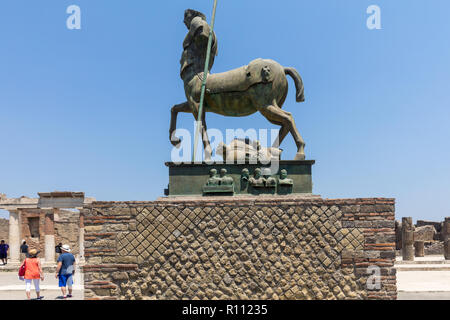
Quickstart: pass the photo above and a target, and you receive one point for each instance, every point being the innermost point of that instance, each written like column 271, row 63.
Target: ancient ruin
column 44, row 222
column 422, row 239
column 446, row 238
column 407, row 239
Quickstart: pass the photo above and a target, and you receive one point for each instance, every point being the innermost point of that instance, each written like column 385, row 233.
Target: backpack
column 69, row 270
column 22, row 269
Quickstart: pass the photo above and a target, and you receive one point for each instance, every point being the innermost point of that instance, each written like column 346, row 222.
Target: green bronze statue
column 213, row 179
column 284, row 180
column 261, row 86
column 257, row 180
column 270, row 182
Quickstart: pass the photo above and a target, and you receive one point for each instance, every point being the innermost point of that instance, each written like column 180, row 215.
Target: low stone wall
column 239, row 248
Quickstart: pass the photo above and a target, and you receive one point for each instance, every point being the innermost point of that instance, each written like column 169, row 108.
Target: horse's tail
column 298, row 83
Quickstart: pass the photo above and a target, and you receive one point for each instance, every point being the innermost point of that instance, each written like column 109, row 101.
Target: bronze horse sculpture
column 262, row 86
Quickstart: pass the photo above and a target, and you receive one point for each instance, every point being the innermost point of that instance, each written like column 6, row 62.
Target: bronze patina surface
column 189, row 179
column 261, row 86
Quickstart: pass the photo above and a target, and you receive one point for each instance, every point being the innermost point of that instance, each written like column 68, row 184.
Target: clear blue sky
column 88, row 110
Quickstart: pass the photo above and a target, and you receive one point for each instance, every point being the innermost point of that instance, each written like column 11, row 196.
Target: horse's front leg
column 205, row 139
column 182, row 107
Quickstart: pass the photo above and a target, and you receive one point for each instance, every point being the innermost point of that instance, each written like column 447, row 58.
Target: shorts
column 3, row 255
column 65, row 280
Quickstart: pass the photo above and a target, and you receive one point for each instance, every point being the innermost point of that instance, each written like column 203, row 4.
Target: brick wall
column 67, row 229
column 4, row 230
column 246, row 248
column 38, row 242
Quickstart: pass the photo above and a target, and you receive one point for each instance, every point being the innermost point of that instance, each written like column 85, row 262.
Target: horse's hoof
column 300, row 156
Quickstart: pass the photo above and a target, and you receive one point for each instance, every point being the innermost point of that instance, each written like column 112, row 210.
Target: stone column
column 14, row 236
column 49, row 232
column 81, row 237
column 398, row 235
column 419, row 247
column 446, row 233
column 407, row 239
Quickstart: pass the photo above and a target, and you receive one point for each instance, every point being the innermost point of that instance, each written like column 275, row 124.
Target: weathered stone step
column 423, row 267
column 422, row 262
column 431, row 259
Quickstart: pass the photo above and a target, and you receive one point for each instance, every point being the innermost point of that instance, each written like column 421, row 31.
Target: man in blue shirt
column 4, row 252
column 65, row 270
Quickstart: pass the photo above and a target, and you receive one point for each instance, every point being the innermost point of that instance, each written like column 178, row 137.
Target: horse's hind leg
column 276, row 115
column 284, row 130
column 182, row 107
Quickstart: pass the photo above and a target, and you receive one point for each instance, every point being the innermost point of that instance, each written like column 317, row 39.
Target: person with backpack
column 23, row 250
column 65, row 270
column 32, row 272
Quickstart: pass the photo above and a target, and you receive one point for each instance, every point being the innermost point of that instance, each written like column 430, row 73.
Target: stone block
column 120, row 276
column 93, row 229
column 425, row 233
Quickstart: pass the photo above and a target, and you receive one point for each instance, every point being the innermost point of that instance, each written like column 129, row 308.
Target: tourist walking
column 65, row 270
column 23, row 251
column 4, row 252
column 33, row 273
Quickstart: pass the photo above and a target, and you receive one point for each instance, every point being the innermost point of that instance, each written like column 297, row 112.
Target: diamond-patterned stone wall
column 246, row 249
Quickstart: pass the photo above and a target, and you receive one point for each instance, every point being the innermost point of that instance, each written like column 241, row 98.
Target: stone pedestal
column 419, row 247
column 14, row 236
column 247, row 248
column 407, row 239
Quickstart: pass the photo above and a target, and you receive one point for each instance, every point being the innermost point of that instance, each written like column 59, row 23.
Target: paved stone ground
column 427, row 278
column 412, row 285
column 11, row 288
column 47, row 294
column 423, row 281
